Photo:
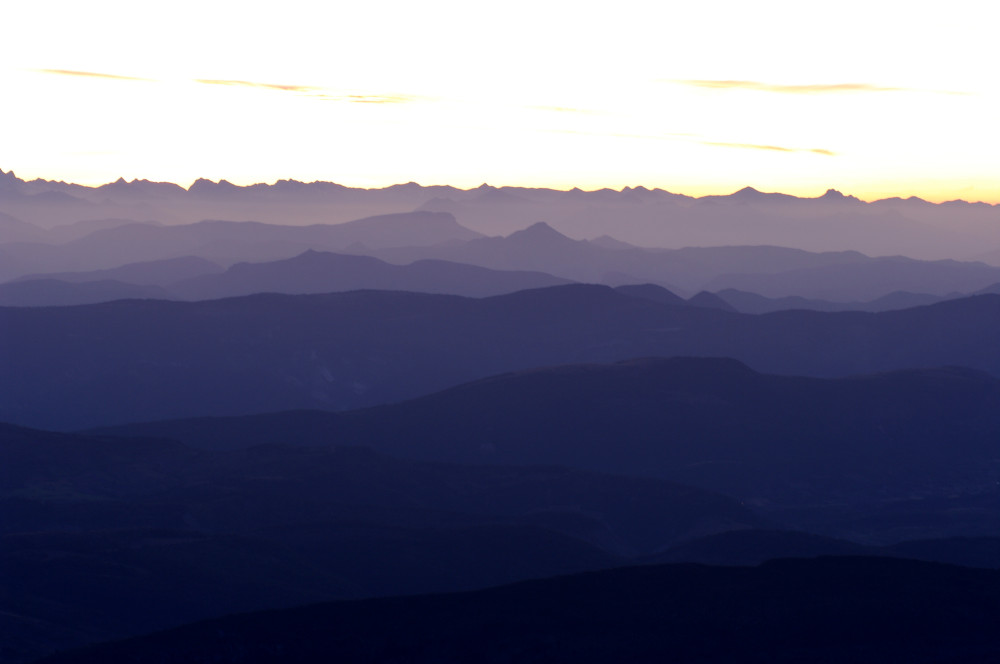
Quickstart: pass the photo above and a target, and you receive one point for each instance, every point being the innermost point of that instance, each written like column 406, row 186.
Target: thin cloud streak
column 92, row 74
column 252, row 84
column 316, row 92
column 773, row 148
column 608, row 134
column 567, row 109
column 691, row 138
column 809, row 89
column 372, row 99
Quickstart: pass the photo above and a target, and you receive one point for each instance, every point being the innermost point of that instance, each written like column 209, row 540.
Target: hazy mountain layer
column 652, row 218
column 323, row 272
column 772, row 271
column 226, row 242
column 52, row 292
column 147, row 273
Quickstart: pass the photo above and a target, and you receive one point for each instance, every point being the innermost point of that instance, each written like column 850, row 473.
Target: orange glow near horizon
column 695, row 99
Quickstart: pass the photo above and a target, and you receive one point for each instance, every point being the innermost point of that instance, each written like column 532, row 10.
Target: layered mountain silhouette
column 639, row 216
column 281, row 395
column 15, row 230
column 138, row 360
column 106, row 538
column 193, row 278
column 227, row 242
column 752, row 303
column 53, row 292
column 775, row 272
column 324, row 272
column 813, row 452
column 865, row 280
column 147, row 273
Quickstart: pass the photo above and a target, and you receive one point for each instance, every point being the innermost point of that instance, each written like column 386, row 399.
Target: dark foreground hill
column 832, row 610
column 893, row 456
column 144, row 360
column 108, row 538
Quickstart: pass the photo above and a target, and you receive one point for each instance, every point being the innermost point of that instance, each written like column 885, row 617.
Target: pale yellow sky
column 873, row 98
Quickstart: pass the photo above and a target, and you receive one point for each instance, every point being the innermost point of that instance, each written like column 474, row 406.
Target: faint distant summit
column 833, row 196
column 8, row 181
column 203, row 186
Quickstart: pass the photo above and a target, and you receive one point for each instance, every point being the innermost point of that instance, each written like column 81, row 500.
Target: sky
column 872, row 98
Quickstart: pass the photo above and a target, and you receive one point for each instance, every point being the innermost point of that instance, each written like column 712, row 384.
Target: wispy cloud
column 807, row 89
column 693, row 138
column 615, row 134
column 568, row 109
column 252, row 84
column 317, row 92
column 773, row 148
column 373, row 99
column 91, row 74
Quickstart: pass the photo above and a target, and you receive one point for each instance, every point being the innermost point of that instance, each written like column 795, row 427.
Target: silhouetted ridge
column 708, row 300
column 834, row 196
column 207, row 187
column 539, row 233
column 652, row 292
column 747, row 193
column 324, row 272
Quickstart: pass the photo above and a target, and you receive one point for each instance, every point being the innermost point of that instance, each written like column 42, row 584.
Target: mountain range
column 401, row 239
column 651, row 218
column 425, row 423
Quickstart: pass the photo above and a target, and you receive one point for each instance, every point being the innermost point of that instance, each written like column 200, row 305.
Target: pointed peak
column 200, row 184
column 707, row 300
column 834, row 195
column 540, row 231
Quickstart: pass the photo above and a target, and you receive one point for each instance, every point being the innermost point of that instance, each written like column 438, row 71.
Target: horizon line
column 485, row 185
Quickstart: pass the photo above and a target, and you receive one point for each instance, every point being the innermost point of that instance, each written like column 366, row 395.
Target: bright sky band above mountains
column 875, row 99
